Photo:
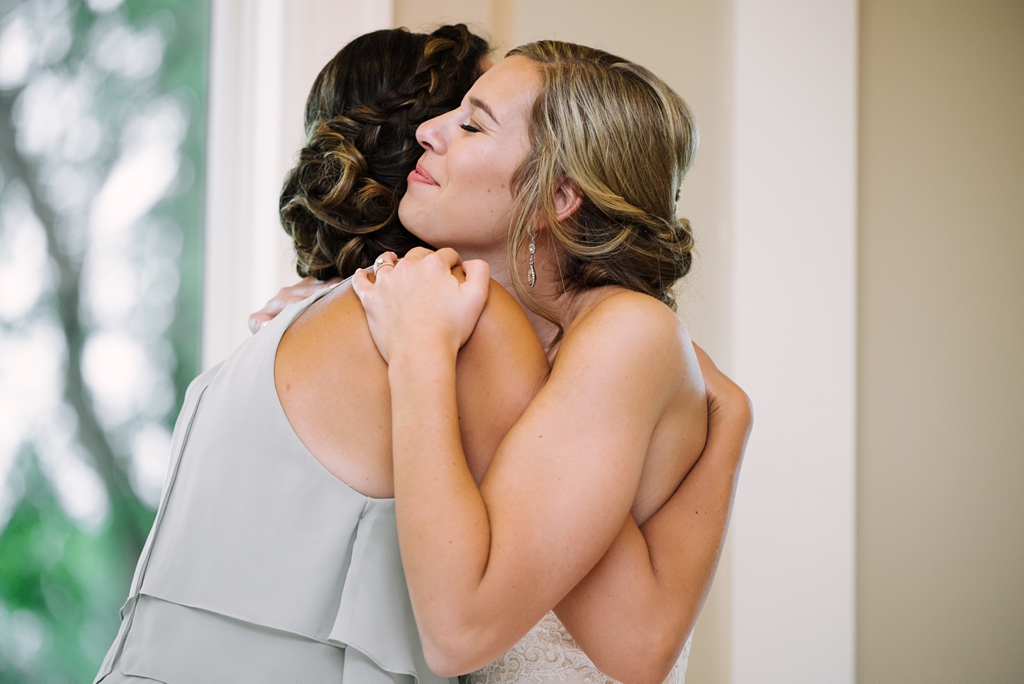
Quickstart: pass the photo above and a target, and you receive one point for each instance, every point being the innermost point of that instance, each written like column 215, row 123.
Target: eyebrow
column 477, row 102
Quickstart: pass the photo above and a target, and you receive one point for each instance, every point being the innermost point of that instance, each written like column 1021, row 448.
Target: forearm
column 633, row 613
column 470, row 553
column 442, row 520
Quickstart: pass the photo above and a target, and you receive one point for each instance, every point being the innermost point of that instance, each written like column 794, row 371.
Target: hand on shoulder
column 287, row 295
column 417, row 304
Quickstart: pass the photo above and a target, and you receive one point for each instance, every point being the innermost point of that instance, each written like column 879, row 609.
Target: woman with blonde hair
column 562, row 167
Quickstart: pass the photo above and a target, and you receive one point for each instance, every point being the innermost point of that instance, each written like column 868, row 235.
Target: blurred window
column 102, row 136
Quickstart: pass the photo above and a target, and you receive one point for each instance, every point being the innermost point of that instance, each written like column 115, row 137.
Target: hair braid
column 340, row 202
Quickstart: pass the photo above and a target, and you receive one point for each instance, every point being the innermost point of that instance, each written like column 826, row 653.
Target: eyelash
column 469, row 128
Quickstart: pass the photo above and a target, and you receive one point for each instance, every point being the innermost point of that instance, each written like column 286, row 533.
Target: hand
column 416, row 302
column 729, row 407
column 285, row 296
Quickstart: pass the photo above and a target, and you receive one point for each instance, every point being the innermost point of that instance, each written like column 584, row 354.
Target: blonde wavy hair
column 624, row 140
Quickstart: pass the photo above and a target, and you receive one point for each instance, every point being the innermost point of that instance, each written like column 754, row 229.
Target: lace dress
column 548, row 654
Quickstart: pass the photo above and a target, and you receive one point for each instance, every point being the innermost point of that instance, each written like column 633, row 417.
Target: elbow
column 445, row 662
column 661, row 662
column 454, row 650
column 748, row 410
column 744, row 410
column 650, row 662
column 655, row 668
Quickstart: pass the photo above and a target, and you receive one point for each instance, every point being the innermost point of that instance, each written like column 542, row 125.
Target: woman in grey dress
column 274, row 556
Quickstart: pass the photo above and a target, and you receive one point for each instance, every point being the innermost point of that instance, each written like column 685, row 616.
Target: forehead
column 509, row 88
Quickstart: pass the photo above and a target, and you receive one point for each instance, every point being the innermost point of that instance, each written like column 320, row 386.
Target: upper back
column 333, row 386
column 680, row 430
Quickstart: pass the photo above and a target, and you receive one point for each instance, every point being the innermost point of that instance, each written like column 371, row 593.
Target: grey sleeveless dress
column 262, row 567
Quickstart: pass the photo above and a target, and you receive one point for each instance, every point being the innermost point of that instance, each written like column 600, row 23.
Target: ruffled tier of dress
column 261, row 565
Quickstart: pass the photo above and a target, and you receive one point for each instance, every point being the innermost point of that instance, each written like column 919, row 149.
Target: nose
column 431, row 134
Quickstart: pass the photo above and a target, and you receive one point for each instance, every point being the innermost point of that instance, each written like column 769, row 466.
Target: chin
column 413, row 221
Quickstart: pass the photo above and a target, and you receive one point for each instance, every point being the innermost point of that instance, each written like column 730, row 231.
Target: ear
column 568, row 199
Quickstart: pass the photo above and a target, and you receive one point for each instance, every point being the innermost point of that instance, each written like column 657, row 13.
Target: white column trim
column 264, row 55
column 795, row 340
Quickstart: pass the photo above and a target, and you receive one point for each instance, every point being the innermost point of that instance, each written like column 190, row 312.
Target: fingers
column 417, row 253
column 478, row 273
column 288, row 295
column 726, row 399
column 477, row 284
column 257, row 321
column 302, row 289
column 449, row 257
column 275, row 306
column 385, row 259
column 706, row 364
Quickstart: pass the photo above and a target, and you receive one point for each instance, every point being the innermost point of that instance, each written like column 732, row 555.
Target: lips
column 418, row 175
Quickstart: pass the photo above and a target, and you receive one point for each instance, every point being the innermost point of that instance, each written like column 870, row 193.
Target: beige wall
column 941, row 364
column 490, row 18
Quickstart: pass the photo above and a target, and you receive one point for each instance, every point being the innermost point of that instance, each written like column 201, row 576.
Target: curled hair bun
column 340, row 202
column 645, row 254
column 333, row 203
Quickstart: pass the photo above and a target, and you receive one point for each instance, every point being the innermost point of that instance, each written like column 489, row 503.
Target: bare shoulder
column 618, row 306
column 503, row 307
column 629, row 323
column 502, row 323
column 652, row 363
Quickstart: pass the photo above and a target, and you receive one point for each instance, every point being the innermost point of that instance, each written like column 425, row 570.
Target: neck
column 548, row 291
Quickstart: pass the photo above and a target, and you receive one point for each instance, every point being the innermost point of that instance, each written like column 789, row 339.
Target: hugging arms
column 537, row 465
column 459, row 195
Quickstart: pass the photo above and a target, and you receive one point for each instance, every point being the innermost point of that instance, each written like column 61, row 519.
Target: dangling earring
column 531, row 275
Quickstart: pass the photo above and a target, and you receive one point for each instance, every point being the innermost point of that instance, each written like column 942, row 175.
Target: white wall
column 795, row 331
column 265, row 55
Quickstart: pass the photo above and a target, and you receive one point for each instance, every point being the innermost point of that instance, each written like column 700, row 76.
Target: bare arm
column 470, row 553
column 633, row 613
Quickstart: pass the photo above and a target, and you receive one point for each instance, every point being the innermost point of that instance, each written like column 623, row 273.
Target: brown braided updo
column 340, row 202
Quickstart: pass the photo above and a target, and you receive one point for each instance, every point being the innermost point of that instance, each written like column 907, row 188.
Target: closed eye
column 469, row 128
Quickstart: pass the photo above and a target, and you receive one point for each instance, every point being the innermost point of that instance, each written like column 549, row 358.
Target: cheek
column 487, row 200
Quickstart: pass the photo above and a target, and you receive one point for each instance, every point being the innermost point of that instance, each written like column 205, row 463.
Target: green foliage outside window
column 102, row 137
